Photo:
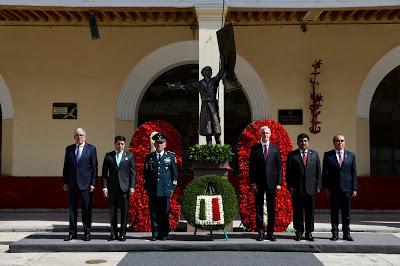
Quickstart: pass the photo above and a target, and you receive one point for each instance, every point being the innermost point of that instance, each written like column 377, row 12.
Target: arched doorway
column 385, row 126
column 181, row 107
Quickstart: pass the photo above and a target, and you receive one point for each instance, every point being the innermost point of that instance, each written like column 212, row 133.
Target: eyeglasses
column 340, row 140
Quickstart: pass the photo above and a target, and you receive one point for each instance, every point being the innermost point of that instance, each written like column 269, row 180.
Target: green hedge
column 198, row 187
column 210, row 153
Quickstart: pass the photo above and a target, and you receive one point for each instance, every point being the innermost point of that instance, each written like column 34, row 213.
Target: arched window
column 385, row 126
column 181, row 108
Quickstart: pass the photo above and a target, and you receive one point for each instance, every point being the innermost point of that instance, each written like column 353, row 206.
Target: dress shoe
column 348, row 238
column 334, row 237
column 271, row 238
column 163, row 238
column 299, row 236
column 112, row 237
column 260, row 238
column 87, row 237
column 309, row 237
column 153, row 238
column 122, row 238
column 69, row 237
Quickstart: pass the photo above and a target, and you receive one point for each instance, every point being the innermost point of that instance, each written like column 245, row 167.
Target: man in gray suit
column 118, row 177
column 303, row 176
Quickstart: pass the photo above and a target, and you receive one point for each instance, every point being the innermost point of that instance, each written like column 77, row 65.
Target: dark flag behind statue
column 227, row 49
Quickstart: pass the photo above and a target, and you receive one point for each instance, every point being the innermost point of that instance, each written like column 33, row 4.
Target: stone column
column 209, row 18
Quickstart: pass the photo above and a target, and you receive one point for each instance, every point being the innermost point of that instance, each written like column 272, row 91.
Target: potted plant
column 210, row 159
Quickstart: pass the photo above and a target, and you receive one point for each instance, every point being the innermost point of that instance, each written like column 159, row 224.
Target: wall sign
column 65, row 111
column 290, row 116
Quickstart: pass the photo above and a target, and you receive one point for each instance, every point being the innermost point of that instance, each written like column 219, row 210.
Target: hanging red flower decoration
column 139, row 202
column 283, row 205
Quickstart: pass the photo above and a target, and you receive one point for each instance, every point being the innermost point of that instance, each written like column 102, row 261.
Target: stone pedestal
column 201, row 168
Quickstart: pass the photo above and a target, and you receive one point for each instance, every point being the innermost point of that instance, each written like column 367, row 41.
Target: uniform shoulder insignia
column 171, row 152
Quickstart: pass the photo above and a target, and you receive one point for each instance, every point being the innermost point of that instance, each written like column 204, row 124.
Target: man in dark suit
column 80, row 172
column 303, row 176
column 265, row 170
column 339, row 177
column 160, row 180
column 118, row 178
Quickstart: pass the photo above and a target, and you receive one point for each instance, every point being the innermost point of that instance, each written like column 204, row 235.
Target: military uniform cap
column 160, row 137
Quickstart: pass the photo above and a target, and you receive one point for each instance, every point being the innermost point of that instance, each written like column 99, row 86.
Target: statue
column 209, row 122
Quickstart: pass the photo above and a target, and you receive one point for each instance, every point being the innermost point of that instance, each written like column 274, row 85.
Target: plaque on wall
column 290, row 116
column 65, row 111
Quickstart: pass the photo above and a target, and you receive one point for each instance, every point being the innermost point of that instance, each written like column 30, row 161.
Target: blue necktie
column 118, row 158
column 78, row 153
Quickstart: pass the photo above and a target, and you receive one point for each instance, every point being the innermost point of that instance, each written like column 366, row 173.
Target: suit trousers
column 159, row 216
column 270, row 198
column 303, row 210
column 118, row 198
column 340, row 200
column 86, row 198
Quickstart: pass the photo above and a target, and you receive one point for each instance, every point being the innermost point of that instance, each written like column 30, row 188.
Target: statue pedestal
column 201, row 168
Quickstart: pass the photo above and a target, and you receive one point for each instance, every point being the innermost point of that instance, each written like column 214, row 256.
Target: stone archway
column 173, row 55
column 381, row 68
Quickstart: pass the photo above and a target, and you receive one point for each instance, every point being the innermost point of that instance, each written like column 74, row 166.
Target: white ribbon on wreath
column 208, row 210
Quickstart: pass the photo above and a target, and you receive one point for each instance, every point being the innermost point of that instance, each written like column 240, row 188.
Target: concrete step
column 385, row 243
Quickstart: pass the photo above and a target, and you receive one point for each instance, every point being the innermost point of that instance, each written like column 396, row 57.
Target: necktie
column 265, row 152
column 340, row 158
column 304, row 158
column 78, row 153
column 118, row 158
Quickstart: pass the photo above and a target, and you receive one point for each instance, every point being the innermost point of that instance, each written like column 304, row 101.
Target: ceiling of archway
column 130, row 16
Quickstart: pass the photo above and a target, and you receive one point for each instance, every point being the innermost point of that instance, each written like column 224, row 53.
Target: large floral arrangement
column 209, row 212
column 139, row 203
column 283, row 206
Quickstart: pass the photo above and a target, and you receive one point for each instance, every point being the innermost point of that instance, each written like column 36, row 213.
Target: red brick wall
column 375, row 193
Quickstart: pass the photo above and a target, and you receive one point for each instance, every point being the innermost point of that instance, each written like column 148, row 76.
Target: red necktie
column 265, row 152
column 305, row 158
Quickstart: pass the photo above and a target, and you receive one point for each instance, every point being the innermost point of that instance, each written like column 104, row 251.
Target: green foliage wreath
column 198, row 187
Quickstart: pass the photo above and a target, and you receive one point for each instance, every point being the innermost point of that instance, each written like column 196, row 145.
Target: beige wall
column 57, row 64
column 42, row 65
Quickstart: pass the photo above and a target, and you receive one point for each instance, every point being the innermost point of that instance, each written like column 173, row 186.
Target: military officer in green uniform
column 160, row 180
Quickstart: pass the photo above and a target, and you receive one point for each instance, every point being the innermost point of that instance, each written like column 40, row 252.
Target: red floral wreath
column 283, row 205
column 139, row 202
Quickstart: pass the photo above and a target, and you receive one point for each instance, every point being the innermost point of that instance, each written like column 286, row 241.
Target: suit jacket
column 84, row 173
column 265, row 173
column 337, row 178
column 122, row 177
column 160, row 176
column 305, row 179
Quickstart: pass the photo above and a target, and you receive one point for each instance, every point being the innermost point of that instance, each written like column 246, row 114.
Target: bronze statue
column 209, row 122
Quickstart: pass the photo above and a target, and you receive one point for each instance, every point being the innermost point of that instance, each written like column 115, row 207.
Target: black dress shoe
column 153, row 238
column 87, row 237
column 334, row 237
column 163, row 238
column 299, row 236
column 309, row 236
column 348, row 238
column 122, row 238
column 69, row 237
column 260, row 238
column 112, row 237
column 271, row 238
